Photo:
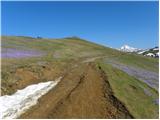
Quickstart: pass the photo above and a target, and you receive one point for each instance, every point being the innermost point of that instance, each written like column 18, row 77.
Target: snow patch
column 157, row 54
column 150, row 54
column 156, row 48
column 14, row 105
column 141, row 52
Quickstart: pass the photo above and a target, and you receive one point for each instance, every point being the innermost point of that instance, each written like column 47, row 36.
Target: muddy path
column 84, row 92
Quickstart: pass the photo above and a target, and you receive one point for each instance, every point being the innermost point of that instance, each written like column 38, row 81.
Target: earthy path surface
column 84, row 92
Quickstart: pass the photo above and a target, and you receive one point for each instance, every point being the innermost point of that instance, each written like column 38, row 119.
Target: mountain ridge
column 151, row 52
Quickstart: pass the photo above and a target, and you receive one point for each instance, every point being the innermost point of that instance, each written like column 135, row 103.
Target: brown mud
column 83, row 92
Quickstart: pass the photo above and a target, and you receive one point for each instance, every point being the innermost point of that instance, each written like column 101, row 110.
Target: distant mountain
column 126, row 48
column 151, row 52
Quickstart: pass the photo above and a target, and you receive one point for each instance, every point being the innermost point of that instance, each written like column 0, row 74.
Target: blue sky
column 109, row 23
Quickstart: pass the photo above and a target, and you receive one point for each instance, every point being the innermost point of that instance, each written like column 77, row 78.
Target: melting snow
column 13, row 106
column 150, row 54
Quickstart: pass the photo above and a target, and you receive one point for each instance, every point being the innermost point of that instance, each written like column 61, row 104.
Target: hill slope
column 27, row 61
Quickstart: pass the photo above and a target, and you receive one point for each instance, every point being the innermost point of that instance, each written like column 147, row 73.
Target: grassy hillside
column 131, row 92
column 59, row 55
column 65, row 48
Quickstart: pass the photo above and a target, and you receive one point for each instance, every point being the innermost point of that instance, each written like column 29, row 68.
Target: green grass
column 140, row 61
column 70, row 46
column 126, row 88
column 130, row 92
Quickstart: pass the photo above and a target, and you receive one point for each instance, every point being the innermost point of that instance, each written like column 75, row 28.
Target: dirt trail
column 84, row 92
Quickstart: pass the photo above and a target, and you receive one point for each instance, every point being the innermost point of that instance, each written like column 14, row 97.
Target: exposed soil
column 84, row 92
column 22, row 77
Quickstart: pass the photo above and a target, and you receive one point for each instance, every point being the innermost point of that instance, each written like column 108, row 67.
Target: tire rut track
column 84, row 92
column 56, row 96
column 119, row 109
column 109, row 95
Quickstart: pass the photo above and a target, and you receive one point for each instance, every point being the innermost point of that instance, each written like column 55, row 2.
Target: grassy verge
column 130, row 91
column 140, row 61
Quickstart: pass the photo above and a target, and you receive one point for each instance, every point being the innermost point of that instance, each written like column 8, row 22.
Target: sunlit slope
column 138, row 97
column 62, row 48
column 75, row 48
column 58, row 56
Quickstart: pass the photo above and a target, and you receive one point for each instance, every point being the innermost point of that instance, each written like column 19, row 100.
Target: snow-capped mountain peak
column 127, row 48
column 152, row 52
